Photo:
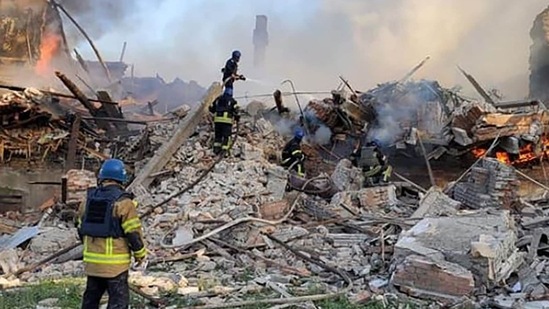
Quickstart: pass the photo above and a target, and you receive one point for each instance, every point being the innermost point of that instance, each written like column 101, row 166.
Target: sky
column 312, row 42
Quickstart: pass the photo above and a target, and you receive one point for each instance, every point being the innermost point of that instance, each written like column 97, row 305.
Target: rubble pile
column 37, row 130
column 489, row 185
column 250, row 226
column 401, row 109
column 27, row 131
column 387, row 239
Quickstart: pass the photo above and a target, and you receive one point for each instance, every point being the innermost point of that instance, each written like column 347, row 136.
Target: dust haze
column 314, row 41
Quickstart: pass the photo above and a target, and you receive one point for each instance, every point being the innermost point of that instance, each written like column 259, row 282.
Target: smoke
column 99, row 17
column 321, row 136
column 321, row 133
column 313, row 41
column 400, row 106
column 285, row 126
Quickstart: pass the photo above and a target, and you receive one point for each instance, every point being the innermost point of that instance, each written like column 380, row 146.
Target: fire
column 478, row 152
column 526, row 154
column 503, row 157
column 48, row 49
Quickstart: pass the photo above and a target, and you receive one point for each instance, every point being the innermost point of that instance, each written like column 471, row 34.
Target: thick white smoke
column 313, row 41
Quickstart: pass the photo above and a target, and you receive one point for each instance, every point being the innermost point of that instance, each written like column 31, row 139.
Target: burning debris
column 474, row 242
column 386, row 239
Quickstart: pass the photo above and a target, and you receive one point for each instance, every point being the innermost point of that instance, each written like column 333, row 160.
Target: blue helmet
column 113, row 169
column 298, row 133
column 375, row 142
column 236, row 54
column 228, row 91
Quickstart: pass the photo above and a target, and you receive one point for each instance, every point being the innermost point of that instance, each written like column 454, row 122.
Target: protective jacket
column 110, row 230
column 225, row 109
column 291, row 153
column 370, row 156
column 373, row 163
column 230, row 69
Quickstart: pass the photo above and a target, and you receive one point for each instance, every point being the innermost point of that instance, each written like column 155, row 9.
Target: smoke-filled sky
column 314, row 41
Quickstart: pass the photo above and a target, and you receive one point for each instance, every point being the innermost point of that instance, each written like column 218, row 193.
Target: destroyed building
column 57, row 113
column 539, row 58
column 220, row 230
column 32, row 36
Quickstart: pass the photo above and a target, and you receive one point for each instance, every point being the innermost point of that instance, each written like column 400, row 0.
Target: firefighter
column 292, row 156
column 373, row 163
column 230, row 71
column 226, row 111
column 110, row 230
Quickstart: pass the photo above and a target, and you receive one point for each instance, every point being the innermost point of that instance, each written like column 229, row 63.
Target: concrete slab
column 435, row 204
column 481, row 242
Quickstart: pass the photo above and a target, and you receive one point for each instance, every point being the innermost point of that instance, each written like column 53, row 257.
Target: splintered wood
column 483, row 126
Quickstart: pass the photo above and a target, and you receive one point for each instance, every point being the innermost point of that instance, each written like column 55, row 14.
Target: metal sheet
column 24, row 234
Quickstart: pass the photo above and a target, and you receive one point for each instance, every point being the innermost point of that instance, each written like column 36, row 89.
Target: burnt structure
column 30, row 30
column 539, row 58
column 260, row 40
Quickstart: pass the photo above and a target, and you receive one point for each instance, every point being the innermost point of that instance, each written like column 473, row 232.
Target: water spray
column 266, row 95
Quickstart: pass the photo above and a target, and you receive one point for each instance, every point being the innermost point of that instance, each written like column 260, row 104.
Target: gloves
column 241, row 77
column 237, row 118
column 140, row 264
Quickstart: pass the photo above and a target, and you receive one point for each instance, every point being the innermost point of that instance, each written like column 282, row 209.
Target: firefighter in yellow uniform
column 292, row 155
column 226, row 113
column 110, row 230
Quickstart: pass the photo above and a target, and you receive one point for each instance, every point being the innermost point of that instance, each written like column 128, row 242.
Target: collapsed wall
column 539, row 57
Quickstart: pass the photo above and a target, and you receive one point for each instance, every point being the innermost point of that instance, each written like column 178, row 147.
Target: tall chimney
column 260, row 40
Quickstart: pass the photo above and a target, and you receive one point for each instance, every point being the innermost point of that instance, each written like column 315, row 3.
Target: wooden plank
column 185, row 129
column 73, row 143
column 111, row 111
column 7, row 229
column 510, row 119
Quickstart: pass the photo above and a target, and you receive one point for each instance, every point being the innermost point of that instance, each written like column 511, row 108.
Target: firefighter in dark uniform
column 292, row 156
column 110, row 230
column 230, row 71
column 373, row 163
column 226, row 111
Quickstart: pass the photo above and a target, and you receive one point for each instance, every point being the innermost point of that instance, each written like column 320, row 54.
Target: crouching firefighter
column 226, row 111
column 373, row 162
column 110, row 230
column 292, row 156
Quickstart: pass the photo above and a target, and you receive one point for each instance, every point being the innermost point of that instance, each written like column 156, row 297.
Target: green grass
column 69, row 293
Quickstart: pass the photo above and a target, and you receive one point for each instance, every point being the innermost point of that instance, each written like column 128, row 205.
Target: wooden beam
column 95, row 50
column 73, row 143
column 185, row 129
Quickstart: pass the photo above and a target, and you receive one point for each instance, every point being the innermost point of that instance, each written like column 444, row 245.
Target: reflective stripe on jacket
column 223, row 118
column 109, row 257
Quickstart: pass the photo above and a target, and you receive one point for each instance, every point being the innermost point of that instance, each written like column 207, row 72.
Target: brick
column 78, row 182
column 492, row 184
column 438, row 278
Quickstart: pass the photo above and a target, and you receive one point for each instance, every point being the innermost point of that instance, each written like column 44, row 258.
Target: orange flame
column 526, row 154
column 48, row 49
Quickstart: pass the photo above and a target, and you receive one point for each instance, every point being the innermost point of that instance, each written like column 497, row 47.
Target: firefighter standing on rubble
column 292, row 156
column 373, row 162
column 110, row 230
column 226, row 111
column 230, row 71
